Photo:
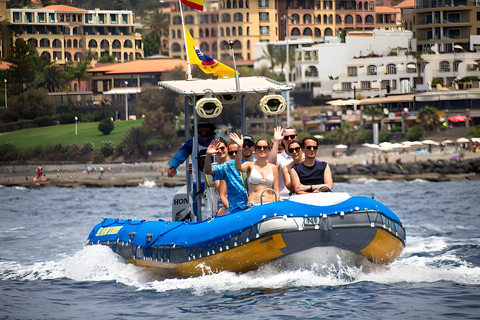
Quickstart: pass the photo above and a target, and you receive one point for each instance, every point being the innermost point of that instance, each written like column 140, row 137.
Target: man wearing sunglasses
column 311, row 175
column 283, row 159
column 206, row 134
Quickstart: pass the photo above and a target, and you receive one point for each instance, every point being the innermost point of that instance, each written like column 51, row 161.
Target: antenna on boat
column 237, row 85
column 237, row 81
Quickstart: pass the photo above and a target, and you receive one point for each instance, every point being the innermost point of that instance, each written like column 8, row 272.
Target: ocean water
column 47, row 272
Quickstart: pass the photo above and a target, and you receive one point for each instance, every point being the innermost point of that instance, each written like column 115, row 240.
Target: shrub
column 45, row 121
column 383, row 136
column 415, row 133
column 106, row 126
column 108, row 148
column 87, row 148
column 364, row 135
column 9, row 151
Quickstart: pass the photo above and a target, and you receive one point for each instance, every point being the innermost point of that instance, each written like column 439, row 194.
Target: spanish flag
column 204, row 62
column 195, row 4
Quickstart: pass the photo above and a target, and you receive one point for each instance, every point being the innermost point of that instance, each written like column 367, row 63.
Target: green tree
column 428, row 119
column 269, row 54
column 159, row 24
column 159, row 118
column 414, row 133
column 107, row 58
column 346, row 135
column 23, row 56
column 150, row 46
column 51, row 78
column 78, row 70
column 106, row 126
column 31, row 104
column 417, row 55
column 373, row 111
column 135, row 142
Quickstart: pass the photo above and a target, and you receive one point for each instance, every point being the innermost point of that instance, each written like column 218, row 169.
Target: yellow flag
column 204, row 62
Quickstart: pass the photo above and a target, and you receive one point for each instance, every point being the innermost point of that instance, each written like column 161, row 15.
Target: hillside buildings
column 64, row 33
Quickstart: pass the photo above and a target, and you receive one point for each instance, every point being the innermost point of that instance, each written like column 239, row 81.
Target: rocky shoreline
column 123, row 176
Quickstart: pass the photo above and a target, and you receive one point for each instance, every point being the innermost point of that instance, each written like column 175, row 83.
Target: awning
column 124, row 91
column 389, row 99
column 458, row 118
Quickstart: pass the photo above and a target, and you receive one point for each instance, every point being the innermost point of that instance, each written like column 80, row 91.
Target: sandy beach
column 133, row 173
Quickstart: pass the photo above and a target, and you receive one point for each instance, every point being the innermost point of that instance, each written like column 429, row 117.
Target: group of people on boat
column 248, row 172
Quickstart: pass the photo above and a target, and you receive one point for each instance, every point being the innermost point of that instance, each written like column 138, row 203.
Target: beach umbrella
column 396, row 145
column 385, row 144
column 476, row 139
column 430, row 142
column 341, row 146
column 463, row 140
column 448, row 141
column 318, row 136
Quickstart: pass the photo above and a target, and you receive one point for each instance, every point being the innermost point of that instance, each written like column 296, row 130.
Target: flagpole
column 189, row 69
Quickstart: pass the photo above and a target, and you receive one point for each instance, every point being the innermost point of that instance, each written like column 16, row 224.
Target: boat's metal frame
column 246, row 240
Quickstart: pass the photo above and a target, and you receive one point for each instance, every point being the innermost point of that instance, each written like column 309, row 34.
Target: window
column 203, row 19
column 428, row 35
column 349, row 19
column 238, row 17
column 372, row 70
column 346, row 85
column 394, row 84
column 225, row 17
column 214, row 18
column 392, row 69
column 366, row 85
column 352, row 71
column 454, row 17
column 89, row 18
column 263, row 3
column 454, row 33
column 189, row 19
column 263, row 16
column 369, row 19
column 264, row 30
column 16, row 17
column 444, row 66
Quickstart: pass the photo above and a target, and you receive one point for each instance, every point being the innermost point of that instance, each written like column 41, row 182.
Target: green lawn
column 65, row 134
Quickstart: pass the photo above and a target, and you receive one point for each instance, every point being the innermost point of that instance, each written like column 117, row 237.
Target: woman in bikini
column 261, row 174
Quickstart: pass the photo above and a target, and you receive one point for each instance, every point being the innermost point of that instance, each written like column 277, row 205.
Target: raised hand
column 278, row 133
column 236, row 139
column 212, row 148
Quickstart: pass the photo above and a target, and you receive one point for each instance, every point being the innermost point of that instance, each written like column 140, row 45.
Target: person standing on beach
column 39, row 172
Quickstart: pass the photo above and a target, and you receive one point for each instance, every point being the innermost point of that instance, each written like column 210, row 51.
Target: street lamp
column 287, row 66
column 76, row 123
column 6, row 105
column 126, row 101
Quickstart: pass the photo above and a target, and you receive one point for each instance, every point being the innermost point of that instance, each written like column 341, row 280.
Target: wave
column 327, row 267
column 147, row 184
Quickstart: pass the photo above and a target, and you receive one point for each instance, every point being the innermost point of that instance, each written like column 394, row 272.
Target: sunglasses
column 231, row 153
column 311, row 147
column 221, row 148
column 261, row 147
column 203, row 126
column 289, row 137
column 292, row 150
column 247, row 144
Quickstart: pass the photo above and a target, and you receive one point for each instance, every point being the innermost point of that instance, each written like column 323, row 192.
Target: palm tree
column 51, row 78
column 373, row 111
column 269, row 54
column 159, row 24
column 428, row 118
column 135, row 142
column 419, row 60
column 78, row 70
column 346, row 135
